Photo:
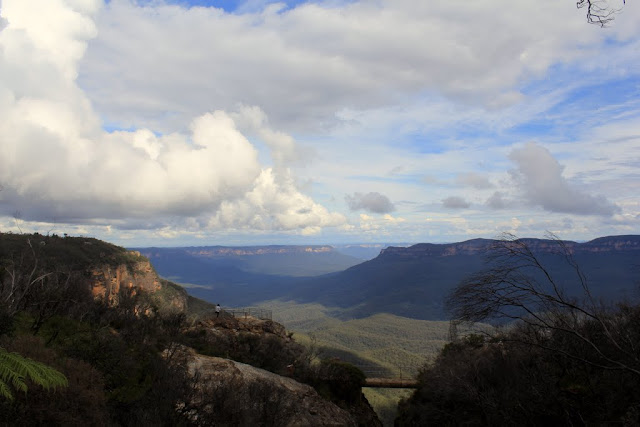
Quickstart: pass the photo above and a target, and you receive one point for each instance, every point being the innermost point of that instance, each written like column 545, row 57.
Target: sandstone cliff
column 109, row 283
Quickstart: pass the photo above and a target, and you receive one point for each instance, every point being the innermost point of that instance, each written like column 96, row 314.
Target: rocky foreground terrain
column 259, row 394
column 137, row 350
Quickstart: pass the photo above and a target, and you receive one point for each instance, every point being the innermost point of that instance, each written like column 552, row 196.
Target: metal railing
column 258, row 313
column 397, row 372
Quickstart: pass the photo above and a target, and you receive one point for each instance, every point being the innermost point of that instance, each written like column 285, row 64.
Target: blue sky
column 219, row 122
column 235, row 6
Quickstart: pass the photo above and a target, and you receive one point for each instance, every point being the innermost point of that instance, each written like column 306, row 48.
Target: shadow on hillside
column 366, row 365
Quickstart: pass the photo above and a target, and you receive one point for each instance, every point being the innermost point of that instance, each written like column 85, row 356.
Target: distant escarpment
column 629, row 243
column 206, row 265
column 211, row 251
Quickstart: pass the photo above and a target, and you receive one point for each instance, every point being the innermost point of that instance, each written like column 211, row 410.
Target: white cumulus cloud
column 57, row 163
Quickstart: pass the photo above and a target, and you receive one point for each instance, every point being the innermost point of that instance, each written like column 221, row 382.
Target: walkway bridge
column 380, row 377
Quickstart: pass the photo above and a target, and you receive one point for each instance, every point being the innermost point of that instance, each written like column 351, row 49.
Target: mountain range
column 405, row 281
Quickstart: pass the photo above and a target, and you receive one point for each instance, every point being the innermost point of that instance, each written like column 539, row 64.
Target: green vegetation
column 15, row 370
column 383, row 340
column 77, row 253
column 385, row 402
column 507, row 381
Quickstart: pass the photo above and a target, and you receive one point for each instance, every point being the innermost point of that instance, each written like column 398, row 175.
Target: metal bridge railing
column 397, row 372
column 258, row 313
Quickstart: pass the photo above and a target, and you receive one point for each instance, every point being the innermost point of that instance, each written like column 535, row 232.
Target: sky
column 219, row 122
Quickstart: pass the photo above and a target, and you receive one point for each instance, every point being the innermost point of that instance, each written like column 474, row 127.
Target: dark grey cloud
column 455, row 202
column 496, row 201
column 539, row 177
column 372, row 202
column 473, row 180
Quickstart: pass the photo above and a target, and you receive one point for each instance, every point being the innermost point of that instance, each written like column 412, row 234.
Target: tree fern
column 15, row 370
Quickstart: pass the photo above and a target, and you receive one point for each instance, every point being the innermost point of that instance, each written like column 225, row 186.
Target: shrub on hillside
column 336, row 380
column 566, row 360
column 510, row 381
column 262, row 350
column 82, row 402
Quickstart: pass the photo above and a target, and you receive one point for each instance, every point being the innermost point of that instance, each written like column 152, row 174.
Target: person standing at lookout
column 218, row 308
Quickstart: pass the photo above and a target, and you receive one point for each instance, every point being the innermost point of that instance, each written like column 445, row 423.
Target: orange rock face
column 108, row 281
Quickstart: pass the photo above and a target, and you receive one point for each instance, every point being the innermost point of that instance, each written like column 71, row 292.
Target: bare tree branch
column 598, row 11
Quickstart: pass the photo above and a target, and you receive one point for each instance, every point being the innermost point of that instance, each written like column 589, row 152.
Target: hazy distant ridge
column 256, row 250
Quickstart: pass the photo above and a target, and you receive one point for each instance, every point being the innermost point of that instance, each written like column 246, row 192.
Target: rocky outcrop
column 226, row 324
column 241, row 394
column 108, row 281
column 274, row 395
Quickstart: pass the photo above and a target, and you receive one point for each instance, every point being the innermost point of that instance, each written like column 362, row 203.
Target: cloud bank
column 57, row 164
column 330, row 54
